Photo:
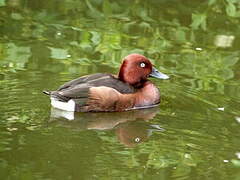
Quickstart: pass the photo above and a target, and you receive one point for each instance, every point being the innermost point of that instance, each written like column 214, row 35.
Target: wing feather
column 78, row 89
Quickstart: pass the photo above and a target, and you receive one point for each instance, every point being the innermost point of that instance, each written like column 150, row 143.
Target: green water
column 193, row 134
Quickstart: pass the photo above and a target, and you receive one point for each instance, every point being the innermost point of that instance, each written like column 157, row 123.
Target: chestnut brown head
column 137, row 68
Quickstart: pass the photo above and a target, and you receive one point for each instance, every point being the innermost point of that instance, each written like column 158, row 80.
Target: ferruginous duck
column 131, row 89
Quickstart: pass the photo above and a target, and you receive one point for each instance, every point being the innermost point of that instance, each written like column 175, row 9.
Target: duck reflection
column 133, row 133
column 131, row 127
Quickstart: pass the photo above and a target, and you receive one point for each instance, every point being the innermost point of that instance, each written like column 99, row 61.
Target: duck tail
column 47, row 92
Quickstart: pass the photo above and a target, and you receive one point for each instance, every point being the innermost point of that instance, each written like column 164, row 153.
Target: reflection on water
column 237, row 119
column 131, row 127
column 224, row 41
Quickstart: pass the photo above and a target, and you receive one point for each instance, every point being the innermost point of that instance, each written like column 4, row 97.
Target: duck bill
column 156, row 74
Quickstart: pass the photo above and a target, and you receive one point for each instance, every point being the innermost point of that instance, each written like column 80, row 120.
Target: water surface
column 193, row 134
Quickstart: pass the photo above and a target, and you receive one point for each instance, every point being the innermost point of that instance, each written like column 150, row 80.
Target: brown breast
column 148, row 95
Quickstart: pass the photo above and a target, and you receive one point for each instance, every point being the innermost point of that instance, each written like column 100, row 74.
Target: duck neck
column 140, row 84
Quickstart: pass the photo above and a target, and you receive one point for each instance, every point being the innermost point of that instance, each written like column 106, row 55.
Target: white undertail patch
column 66, row 106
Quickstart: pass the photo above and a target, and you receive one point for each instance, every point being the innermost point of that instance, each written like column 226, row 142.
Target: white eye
column 137, row 139
column 142, row 65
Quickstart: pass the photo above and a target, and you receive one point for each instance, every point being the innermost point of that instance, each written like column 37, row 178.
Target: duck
column 105, row 92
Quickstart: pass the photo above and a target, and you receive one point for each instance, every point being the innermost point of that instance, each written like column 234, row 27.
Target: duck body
column 106, row 92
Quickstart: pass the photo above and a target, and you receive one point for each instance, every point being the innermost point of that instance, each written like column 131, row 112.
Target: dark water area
column 193, row 134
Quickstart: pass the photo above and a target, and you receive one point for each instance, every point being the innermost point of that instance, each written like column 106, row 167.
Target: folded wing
column 78, row 89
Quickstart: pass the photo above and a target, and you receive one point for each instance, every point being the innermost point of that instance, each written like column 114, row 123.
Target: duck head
column 136, row 68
